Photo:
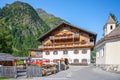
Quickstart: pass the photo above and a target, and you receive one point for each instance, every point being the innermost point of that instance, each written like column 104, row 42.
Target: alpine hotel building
column 67, row 41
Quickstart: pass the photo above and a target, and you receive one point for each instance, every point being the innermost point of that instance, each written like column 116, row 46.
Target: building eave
column 43, row 36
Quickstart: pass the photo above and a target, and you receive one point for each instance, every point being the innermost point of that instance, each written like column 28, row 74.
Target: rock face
column 49, row 19
column 110, row 67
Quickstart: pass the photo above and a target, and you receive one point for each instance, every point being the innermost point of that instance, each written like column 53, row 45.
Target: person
column 66, row 64
column 62, row 64
column 66, row 61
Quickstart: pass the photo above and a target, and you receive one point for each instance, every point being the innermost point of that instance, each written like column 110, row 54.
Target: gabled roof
column 115, row 34
column 110, row 20
column 49, row 32
column 6, row 57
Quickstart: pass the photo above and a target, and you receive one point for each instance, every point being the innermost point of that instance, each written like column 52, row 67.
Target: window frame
column 84, row 61
column 84, row 51
column 47, row 52
column 38, row 53
column 55, row 52
column 102, row 52
column 76, row 60
column 65, row 52
column 111, row 27
column 76, row 51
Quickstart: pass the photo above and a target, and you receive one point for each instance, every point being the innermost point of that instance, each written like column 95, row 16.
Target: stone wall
column 109, row 67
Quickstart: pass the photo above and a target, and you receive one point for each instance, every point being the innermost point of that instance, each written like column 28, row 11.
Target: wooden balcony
column 64, row 46
column 69, row 36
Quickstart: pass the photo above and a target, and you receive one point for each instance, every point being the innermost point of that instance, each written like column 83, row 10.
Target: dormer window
column 111, row 27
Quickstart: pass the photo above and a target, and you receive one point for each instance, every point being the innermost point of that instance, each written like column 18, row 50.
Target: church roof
column 115, row 34
column 110, row 20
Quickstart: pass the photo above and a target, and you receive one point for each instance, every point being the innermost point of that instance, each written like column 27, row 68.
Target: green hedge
column 20, row 62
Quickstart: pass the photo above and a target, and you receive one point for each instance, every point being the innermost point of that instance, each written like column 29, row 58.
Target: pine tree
column 114, row 17
column 5, row 39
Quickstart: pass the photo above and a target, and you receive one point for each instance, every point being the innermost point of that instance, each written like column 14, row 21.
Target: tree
column 5, row 39
column 93, row 55
column 114, row 17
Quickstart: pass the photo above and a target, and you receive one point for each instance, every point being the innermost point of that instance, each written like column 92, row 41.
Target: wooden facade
column 67, row 36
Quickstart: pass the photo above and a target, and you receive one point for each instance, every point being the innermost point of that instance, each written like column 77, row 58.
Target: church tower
column 109, row 26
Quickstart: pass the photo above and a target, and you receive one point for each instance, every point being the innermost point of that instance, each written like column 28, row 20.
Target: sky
column 88, row 14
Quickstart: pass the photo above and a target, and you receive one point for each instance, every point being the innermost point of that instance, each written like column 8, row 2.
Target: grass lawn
column 3, row 78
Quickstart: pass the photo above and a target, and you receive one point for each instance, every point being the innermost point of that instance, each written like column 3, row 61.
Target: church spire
column 110, row 25
column 110, row 20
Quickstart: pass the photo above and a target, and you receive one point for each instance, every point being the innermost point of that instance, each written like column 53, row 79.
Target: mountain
column 25, row 26
column 49, row 19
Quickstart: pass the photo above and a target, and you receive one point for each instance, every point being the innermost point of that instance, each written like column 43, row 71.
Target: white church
column 108, row 48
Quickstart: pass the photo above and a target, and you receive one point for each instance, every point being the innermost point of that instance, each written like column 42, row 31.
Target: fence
column 8, row 71
column 34, row 71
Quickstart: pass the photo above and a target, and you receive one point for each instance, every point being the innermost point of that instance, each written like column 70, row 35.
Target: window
column 65, row 52
column 84, row 61
column 55, row 52
column 76, row 60
column 47, row 53
column 102, row 52
column 38, row 53
column 76, row 51
column 111, row 27
column 84, row 51
column 98, row 54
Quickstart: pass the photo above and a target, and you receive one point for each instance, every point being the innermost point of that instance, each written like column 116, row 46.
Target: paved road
column 80, row 73
column 83, row 73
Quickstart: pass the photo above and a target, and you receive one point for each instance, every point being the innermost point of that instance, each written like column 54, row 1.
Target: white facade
column 100, row 55
column 71, row 56
column 111, row 52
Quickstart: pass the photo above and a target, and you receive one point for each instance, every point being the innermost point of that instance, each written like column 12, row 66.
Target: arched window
column 76, row 51
column 84, row 51
column 76, row 60
column 111, row 27
column 84, row 61
column 65, row 52
column 55, row 52
column 47, row 53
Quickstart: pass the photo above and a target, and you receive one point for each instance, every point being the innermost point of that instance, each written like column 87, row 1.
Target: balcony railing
column 66, row 45
column 64, row 36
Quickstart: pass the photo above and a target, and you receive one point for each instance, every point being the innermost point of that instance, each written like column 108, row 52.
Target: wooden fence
column 34, row 71
column 8, row 71
column 11, row 71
